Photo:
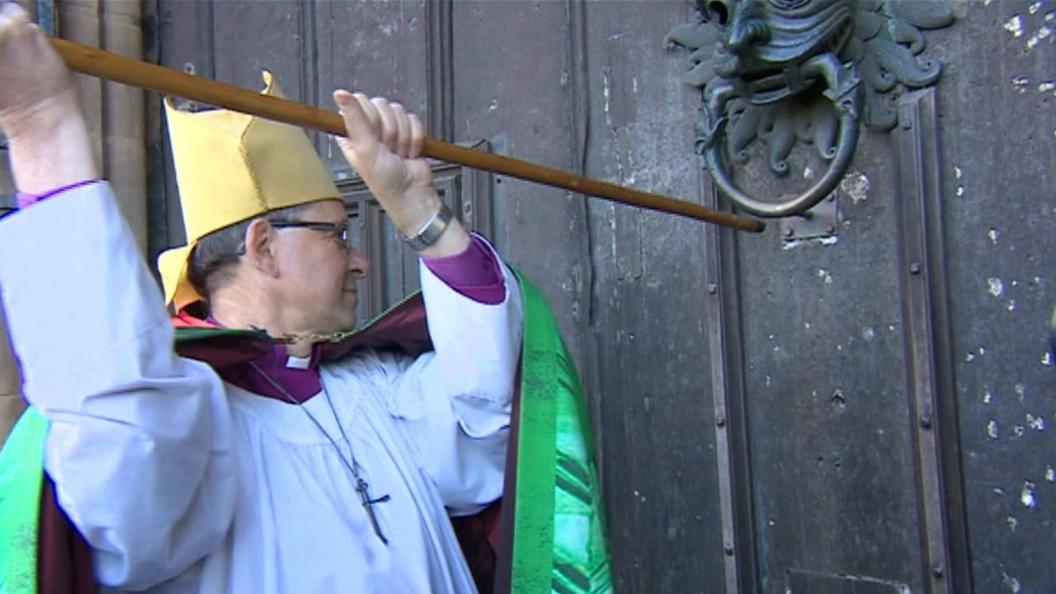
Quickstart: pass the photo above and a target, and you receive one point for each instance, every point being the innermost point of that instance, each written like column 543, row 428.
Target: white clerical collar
column 294, row 362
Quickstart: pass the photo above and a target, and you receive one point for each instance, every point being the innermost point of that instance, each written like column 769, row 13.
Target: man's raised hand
column 384, row 145
column 39, row 110
column 36, row 88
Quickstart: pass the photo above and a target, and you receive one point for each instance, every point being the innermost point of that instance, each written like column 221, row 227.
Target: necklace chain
column 362, row 486
column 314, row 337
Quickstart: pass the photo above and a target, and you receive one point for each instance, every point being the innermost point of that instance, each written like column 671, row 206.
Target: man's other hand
column 39, row 111
column 36, row 89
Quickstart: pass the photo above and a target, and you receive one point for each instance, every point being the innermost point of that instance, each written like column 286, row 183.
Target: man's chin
column 348, row 316
column 345, row 322
column 338, row 323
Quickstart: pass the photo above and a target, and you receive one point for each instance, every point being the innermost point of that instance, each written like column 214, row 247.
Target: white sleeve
column 456, row 400
column 138, row 438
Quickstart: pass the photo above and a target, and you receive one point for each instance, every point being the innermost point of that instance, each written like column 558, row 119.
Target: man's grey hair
column 214, row 258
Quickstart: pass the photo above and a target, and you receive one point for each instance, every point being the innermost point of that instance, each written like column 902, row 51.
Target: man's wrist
column 27, row 124
column 415, row 212
column 51, row 148
column 25, row 200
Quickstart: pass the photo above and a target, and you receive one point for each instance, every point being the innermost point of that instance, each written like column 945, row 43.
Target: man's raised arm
column 138, row 439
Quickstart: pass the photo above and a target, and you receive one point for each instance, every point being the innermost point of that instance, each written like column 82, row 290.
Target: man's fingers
column 403, row 130
column 11, row 12
column 389, row 129
column 348, row 107
column 41, row 38
column 373, row 123
column 360, row 132
column 12, row 20
column 371, row 115
column 417, row 137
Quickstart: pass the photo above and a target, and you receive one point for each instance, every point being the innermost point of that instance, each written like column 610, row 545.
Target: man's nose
column 357, row 264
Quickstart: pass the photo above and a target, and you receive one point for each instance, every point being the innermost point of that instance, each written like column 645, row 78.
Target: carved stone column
column 115, row 112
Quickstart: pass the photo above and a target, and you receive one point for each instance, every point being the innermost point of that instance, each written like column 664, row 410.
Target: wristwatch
column 431, row 231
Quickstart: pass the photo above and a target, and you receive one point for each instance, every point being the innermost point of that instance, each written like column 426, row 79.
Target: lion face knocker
column 811, row 70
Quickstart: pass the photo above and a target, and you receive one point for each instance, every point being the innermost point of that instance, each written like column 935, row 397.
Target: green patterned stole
column 559, row 542
column 21, row 482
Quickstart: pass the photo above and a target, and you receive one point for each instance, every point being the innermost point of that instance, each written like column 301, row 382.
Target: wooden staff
column 115, row 67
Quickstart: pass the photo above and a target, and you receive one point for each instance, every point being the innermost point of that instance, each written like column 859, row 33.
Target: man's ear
column 260, row 247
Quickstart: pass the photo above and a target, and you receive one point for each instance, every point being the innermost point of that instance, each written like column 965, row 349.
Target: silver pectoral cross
column 368, row 504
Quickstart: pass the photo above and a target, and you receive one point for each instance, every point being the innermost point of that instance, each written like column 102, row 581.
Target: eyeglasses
column 339, row 231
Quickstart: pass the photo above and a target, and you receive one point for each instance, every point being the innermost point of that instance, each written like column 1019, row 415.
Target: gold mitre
column 231, row 167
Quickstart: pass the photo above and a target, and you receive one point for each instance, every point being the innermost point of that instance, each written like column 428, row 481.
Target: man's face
column 318, row 272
